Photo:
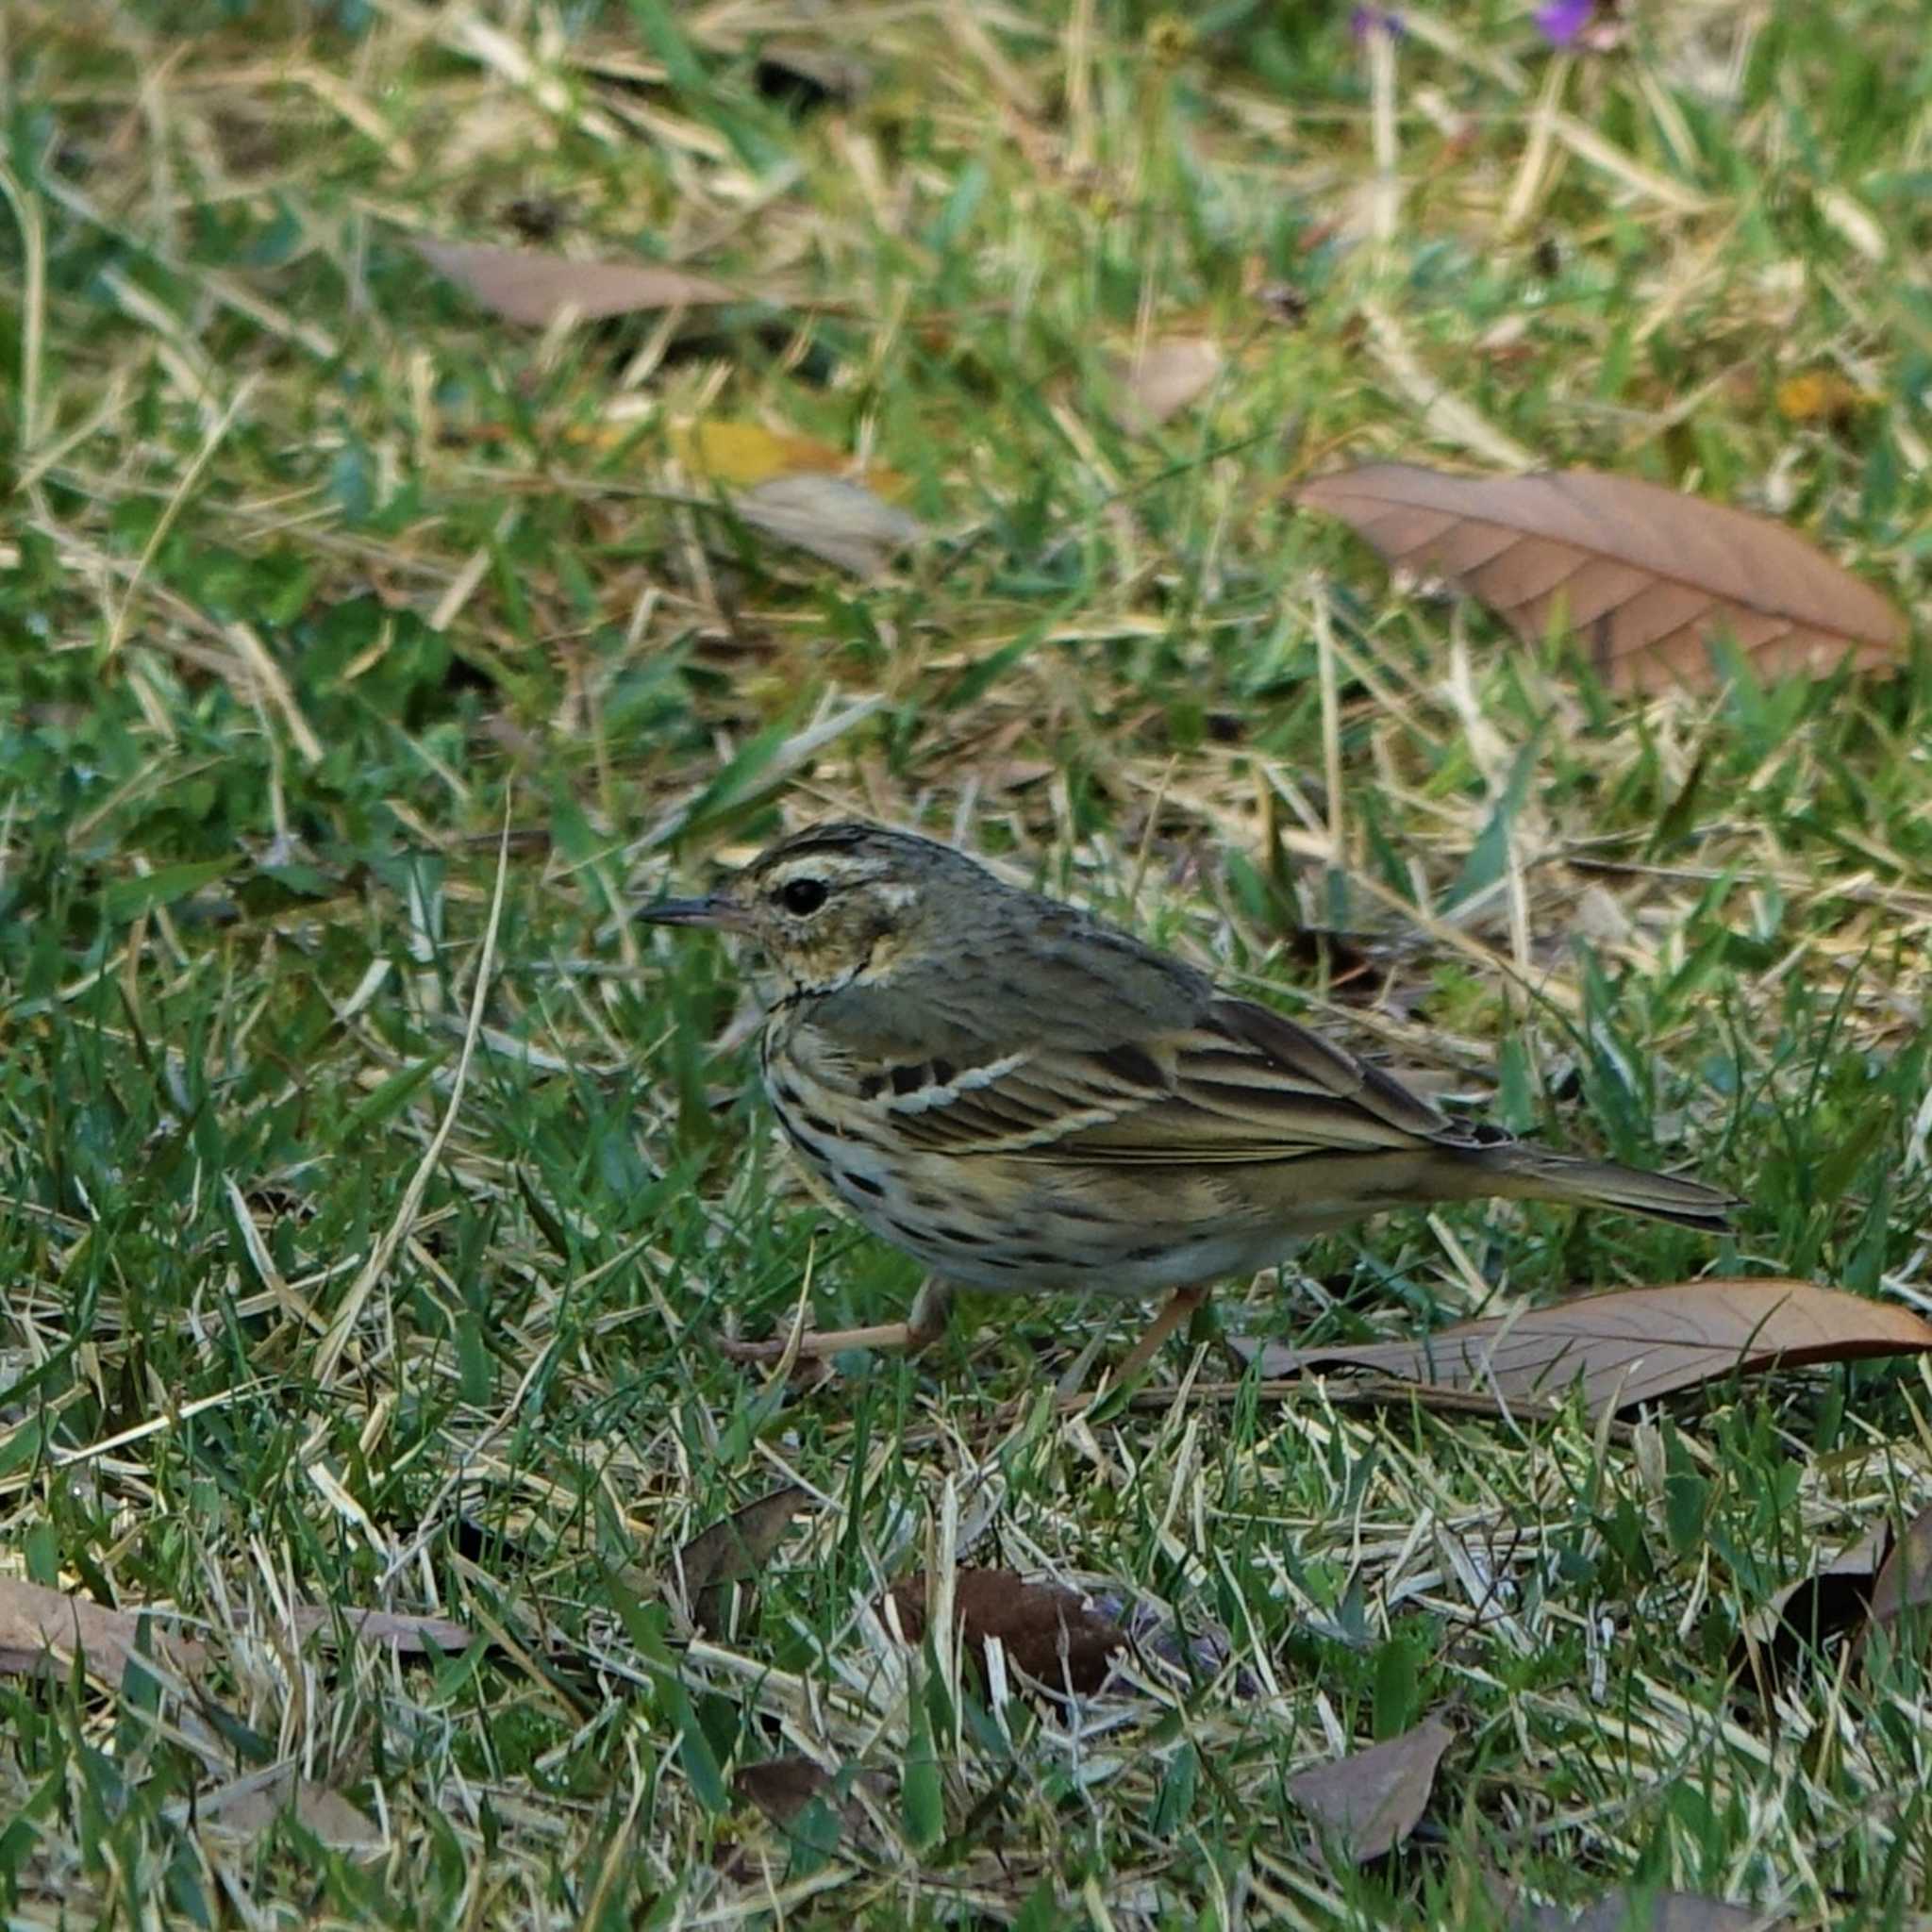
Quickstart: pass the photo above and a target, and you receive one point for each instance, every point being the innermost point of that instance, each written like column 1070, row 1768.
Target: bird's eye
column 801, row 897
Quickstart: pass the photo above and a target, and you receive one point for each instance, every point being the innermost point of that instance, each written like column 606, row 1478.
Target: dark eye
column 801, row 897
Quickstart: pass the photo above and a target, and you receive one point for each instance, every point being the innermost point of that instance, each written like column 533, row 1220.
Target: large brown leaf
column 1632, row 1346
column 1048, row 1632
column 1371, row 1800
column 1646, row 577
column 37, row 1624
column 528, row 286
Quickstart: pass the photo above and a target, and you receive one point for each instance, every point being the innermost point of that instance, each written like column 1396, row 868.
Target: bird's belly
column 1013, row 1226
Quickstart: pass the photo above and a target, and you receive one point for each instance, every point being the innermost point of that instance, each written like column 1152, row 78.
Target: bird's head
column 843, row 904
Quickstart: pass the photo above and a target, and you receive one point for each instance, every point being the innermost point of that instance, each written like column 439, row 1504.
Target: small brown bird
column 1024, row 1098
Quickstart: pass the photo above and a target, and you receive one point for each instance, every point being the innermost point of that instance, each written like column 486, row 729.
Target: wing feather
column 1240, row 1084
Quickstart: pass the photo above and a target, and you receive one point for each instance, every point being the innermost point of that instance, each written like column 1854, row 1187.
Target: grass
column 313, row 580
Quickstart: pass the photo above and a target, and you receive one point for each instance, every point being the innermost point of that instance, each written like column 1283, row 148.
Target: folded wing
column 1238, row 1083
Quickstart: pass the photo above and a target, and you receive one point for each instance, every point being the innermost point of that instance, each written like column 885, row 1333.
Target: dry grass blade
column 1049, row 1634
column 1629, row 1911
column 527, row 286
column 733, row 1552
column 35, row 1621
column 1371, row 1800
column 1632, row 1346
column 1649, row 577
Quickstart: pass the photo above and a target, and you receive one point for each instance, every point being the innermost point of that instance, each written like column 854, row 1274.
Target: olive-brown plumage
column 1025, row 1097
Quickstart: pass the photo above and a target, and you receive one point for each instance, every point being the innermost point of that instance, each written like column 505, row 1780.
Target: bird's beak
column 716, row 910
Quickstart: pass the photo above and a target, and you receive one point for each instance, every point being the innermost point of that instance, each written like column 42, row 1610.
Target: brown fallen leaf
column 1371, row 1800
column 734, row 1552
column 781, row 1788
column 831, row 517
column 1632, row 1346
column 249, row 1808
column 1048, row 1632
column 1163, row 378
column 528, row 286
column 1646, row 577
column 1905, row 1579
column 1629, row 1909
column 406, row 1631
column 1803, row 1617
column 36, row 1622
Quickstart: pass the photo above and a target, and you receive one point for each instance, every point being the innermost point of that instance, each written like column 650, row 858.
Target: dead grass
column 353, row 1259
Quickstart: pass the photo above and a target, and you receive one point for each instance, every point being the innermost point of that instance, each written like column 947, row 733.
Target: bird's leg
column 920, row 1330
column 1176, row 1313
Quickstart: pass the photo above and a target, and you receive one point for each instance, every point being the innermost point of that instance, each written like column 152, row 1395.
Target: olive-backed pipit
column 1026, row 1098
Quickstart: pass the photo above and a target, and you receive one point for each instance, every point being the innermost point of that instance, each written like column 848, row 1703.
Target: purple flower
column 1365, row 21
column 1560, row 22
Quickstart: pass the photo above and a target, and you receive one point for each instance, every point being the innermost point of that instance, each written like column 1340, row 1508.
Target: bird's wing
column 1238, row 1083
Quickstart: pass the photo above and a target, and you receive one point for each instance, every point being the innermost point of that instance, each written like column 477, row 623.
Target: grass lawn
column 373, row 1193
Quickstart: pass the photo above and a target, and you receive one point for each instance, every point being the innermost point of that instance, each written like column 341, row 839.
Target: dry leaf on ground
column 781, row 1788
column 1635, row 1346
column 841, row 521
column 1866, row 1586
column 1371, row 1800
column 1905, row 1580
column 528, row 286
column 407, row 1631
column 1646, row 577
column 1163, row 378
column 1801, row 1618
column 248, row 1809
column 793, row 489
column 35, row 1622
column 733, row 1552
column 1627, row 1910
column 1048, row 1632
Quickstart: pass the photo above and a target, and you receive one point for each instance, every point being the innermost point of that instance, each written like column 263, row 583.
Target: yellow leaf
column 741, row 455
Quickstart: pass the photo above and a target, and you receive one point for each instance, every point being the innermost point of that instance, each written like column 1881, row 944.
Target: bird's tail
column 1519, row 1171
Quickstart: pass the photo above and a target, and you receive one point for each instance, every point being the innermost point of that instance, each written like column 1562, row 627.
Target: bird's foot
column 925, row 1325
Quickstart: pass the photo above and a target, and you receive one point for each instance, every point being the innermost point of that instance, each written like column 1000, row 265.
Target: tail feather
column 1517, row 1170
